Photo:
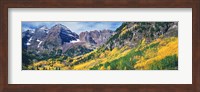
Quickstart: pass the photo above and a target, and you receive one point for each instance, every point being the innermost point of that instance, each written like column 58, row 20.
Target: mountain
column 37, row 37
column 95, row 38
column 25, row 37
column 43, row 43
column 132, row 33
column 48, row 39
column 58, row 35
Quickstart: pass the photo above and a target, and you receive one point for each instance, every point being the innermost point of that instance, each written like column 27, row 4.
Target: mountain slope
column 158, row 55
column 131, row 33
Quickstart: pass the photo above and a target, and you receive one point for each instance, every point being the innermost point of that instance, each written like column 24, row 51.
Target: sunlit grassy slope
column 160, row 54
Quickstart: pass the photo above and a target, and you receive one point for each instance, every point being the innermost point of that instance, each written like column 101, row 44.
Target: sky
column 76, row 27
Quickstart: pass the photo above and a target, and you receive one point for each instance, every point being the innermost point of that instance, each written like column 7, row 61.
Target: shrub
column 168, row 63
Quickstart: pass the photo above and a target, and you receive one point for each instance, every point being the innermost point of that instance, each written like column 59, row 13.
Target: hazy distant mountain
column 95, row 38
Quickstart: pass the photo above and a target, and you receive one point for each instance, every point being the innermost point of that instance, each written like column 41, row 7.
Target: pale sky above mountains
column 76, row 27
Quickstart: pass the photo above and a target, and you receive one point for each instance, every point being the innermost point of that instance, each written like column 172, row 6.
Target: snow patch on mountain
column 75, row 41
column 28, row 43
column 30, row 39
column 43, row 28
column 38, row 40
column 39, row 44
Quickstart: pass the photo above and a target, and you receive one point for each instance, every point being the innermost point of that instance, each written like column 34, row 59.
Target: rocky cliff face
column 37, row 37
column 95, row 38
column 26, row 38
column 132, row 33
